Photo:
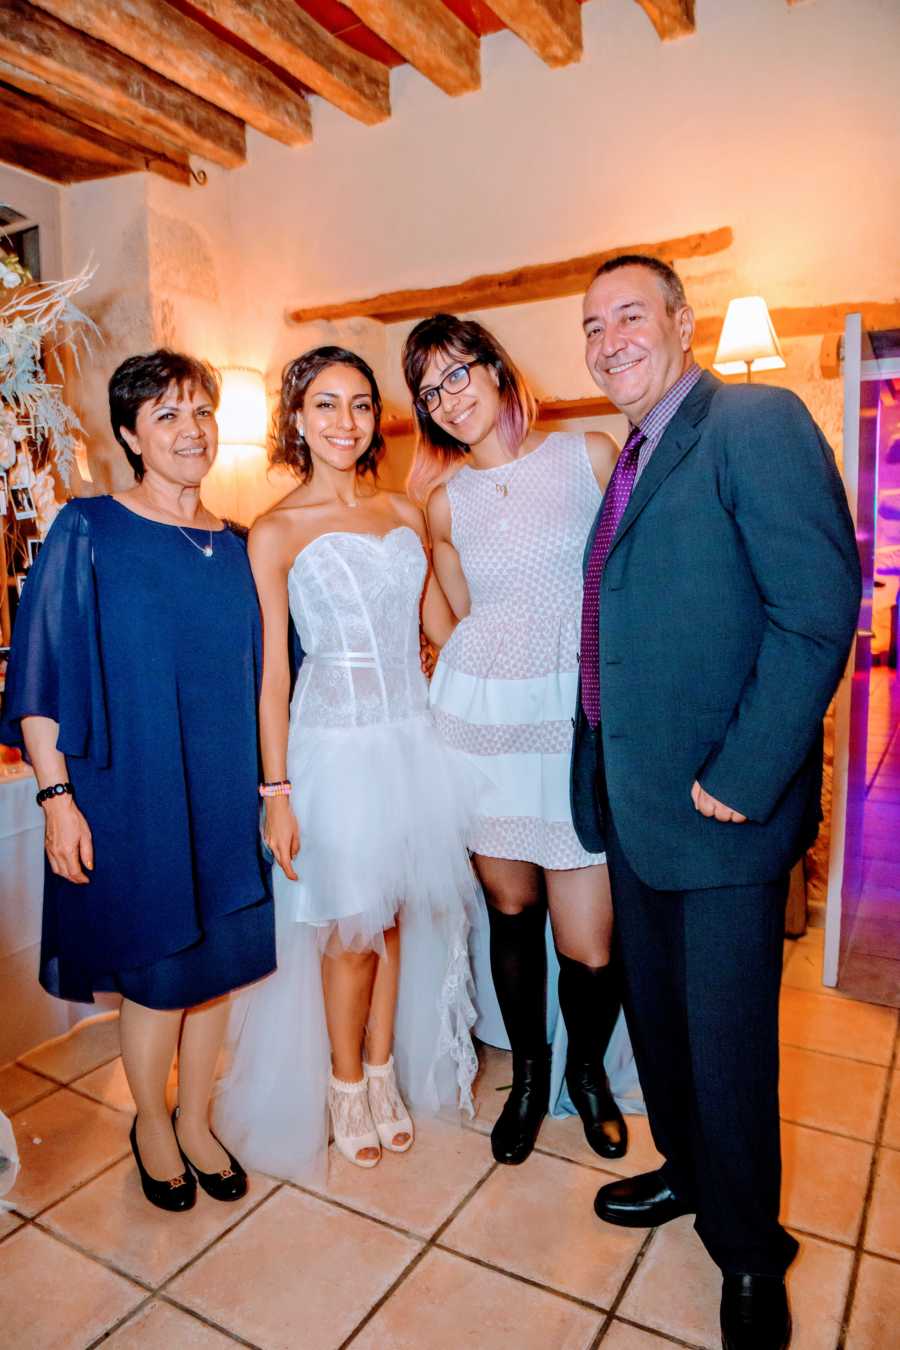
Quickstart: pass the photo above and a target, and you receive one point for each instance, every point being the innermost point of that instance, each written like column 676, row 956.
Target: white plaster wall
column 39, row 202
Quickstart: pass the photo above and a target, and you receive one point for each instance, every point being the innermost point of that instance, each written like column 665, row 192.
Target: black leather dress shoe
column 604, row 1127
column 228, row 1184
column 516, row 1130
column 639, row 1202
column 175, row 1195
column 755, row 1313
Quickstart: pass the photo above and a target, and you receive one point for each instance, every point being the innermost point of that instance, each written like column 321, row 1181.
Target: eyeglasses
column 455, row 381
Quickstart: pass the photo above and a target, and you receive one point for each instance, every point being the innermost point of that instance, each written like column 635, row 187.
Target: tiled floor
column 441, row 1249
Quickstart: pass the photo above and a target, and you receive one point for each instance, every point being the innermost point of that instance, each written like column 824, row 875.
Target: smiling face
column 338, row 416
column 468, row 414
column 634, row 349
column 176, row 435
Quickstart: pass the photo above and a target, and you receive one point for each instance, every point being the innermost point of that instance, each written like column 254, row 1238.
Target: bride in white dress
column 365, row 810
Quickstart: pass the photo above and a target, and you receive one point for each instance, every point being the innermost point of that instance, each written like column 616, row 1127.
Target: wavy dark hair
column 145, row 379
column 288, row 446
column 437, row 452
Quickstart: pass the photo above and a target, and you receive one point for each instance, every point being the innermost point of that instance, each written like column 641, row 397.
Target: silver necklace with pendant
column 205, row 549
column 502, row 488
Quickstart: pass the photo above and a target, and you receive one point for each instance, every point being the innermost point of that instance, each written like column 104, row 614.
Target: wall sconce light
column 242, row 414
column 748, row 341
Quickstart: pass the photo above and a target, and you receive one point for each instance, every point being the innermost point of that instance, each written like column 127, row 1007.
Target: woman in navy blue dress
column 132, row 683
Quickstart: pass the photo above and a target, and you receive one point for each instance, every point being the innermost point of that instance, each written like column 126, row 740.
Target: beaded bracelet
column 56, row 790
column 280, row 789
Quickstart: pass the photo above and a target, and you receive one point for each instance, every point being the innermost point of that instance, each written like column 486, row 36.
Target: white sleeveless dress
column 504, row 694
column 384, row 810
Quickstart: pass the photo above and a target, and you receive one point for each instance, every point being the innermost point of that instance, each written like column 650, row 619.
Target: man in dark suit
column 721, row 596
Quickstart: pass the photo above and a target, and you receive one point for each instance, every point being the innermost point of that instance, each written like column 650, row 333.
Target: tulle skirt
column 384, row 812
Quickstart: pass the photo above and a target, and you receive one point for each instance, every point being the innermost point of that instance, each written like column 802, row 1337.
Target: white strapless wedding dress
column 384, row 809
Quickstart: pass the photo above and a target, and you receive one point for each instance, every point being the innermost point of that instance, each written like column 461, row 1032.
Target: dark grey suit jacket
column 728, row 603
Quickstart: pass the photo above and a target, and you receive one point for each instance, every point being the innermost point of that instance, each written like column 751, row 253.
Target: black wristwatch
column 57, row 790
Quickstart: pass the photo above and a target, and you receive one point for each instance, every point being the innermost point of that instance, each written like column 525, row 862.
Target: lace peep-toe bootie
column 351, row 1120
column 389, row 1114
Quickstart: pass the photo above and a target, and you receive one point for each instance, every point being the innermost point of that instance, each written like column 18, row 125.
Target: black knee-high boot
column 519, row 968
column 590, row 998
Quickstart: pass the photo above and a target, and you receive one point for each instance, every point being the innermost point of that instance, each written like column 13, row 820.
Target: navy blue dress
column 147, row 654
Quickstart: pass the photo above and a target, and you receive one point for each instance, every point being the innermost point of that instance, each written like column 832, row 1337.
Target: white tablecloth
column 28, row 1016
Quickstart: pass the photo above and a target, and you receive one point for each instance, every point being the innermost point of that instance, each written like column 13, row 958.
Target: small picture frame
column 34, row 548
column 21, row 578
column 4, row 499
column 22, row 503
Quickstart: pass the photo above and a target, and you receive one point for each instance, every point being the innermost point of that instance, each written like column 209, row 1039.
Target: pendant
column 207, row 551
column 502, row 489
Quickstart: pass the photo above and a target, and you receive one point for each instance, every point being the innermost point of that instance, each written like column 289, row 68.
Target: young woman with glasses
column 509, row 509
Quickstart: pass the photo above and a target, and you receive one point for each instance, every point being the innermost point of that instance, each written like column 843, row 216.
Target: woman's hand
column 282, row 833
column 67, row 839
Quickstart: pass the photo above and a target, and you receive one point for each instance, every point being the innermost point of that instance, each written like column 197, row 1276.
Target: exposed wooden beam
column 552, row 28
column 106, row 86
column 431, row 38
column 158, row 153
column 29, row 123
column 182, row 50
column 286, row 34
column 810, row 321
column 670, row 18
column 541, row 281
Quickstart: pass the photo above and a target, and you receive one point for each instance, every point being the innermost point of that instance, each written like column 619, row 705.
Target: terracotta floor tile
column 891, row 1135
column 843, row 1095
column 824, row 1182
column 538, row 1221
column 883, row 1226
column 447, row 1303
column 876, row 1305
column 817, row 1287
column 837, row 1026
column 295, row 1264
column 159, row 1326
column 491, row 1086
column 83, row 1048
column 8, row 1223
column 111, row 1219
column 77, row 1138
column 677, row 1287
column 52, row 1298
column 19, row 1088
column 566, row 1138
column 623, row 1337
column 109, row 1085
column 417, row 1190
column 677, row 1290
column 804, row 966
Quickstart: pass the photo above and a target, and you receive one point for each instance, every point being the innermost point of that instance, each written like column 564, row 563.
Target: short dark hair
column 673, row 287
column 145, row 379
column 288, row 445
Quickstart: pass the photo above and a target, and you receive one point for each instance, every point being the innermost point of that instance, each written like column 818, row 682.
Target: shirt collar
column 654, row 423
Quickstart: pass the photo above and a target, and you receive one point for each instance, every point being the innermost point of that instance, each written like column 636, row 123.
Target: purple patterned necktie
column 616, row 499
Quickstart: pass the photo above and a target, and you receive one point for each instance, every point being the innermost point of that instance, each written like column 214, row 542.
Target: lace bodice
column 521, row 552
column 354, row 600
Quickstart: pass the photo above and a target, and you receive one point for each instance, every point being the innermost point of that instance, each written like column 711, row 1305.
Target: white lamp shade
column 242, row 415
column 748, row 338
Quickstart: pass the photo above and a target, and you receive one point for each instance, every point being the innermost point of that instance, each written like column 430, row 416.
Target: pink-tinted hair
column 438, row 454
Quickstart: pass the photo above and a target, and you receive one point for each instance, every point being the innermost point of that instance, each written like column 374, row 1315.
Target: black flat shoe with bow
column 228, row 1184
column 175, row 1194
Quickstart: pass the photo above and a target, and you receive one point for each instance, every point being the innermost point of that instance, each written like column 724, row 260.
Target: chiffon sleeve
column 55, row 666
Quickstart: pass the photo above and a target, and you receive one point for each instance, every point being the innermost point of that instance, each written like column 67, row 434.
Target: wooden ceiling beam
column 109, row 87
column 670, row 18
column 26, row 121
column 183, row 51
column 552, row 28
column 541, row 281
column 286, row 34
column 431, row 38
column 155, row 147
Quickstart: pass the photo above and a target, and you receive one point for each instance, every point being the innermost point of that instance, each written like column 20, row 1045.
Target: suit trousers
column 702, row 971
